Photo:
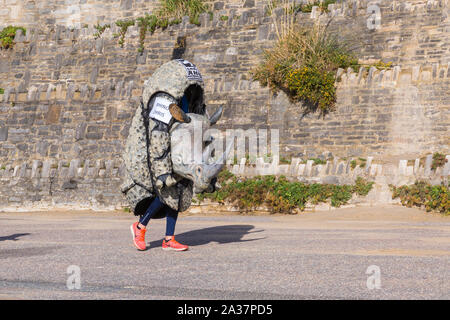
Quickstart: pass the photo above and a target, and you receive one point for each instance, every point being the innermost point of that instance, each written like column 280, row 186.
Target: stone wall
column 69, row 98
column 76, row 13
column 70, row 13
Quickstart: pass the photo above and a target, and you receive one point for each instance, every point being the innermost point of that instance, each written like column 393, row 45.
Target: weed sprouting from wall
column 307, row 7
column 7, row 36
column 146, row 23
column 439, row 160
column 170, row 12
column 176, row 9
column 123, row 25
column 422, row 194
column 100, row 29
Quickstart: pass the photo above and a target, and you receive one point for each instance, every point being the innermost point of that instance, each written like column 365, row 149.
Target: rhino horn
column 207, row 153
column 213, row 169
column 216, row 116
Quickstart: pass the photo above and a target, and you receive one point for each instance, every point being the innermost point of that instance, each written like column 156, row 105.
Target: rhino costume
column 147, row 155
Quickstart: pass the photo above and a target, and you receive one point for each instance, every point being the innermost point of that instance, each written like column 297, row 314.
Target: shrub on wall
column 303, row 64
column 281, row 195
column 439, row 160
column 307, row 7
column 7, row 36
column 176, row 9
column 422, row 194
column 170, row 12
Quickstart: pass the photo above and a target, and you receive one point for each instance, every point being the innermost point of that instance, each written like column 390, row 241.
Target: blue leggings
column 171, row 215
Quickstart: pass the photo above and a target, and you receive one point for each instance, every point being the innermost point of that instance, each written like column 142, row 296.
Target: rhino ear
column 216, row 116
column 178, row 114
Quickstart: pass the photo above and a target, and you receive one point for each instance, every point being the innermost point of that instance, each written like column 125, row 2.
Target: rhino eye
column 178, row 160
column 208, row 141
column 198, row 171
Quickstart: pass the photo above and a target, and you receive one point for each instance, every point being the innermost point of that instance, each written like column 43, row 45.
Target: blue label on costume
column 185, row 104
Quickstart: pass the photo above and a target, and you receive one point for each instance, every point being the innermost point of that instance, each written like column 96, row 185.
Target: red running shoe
column 173, row 245
column 138, row 236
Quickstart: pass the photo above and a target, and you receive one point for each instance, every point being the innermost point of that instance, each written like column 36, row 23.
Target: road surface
column 355, row 253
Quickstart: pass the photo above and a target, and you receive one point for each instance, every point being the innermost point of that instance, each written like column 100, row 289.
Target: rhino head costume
column 153, row 142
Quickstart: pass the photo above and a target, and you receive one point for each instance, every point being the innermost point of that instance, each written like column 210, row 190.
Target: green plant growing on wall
column 361, row 162
column 2, row 91
column 303, row 64
column 439, row 160
column 316, row 161
column 267, row 158
column 272, row 4
column 170, row 12
column 362, row 187
column 123, row 25
column 307, row 7
column 148, row 22
column 100, row 29
column 177, row 9
column 422, row 194
column 284, row 160
column 7, row 36
column 279, row 194
column 380, row 65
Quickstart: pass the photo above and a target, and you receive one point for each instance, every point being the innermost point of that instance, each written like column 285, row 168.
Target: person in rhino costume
column 151, row 187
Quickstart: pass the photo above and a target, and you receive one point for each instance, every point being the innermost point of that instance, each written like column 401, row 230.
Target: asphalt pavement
column 387, row 252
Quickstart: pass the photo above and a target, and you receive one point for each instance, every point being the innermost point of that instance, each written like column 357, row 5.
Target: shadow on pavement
column 220, row 234
column 14, row 237
column 28, row 252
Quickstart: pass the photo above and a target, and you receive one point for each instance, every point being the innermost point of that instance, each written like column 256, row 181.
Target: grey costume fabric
column 147, row 155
